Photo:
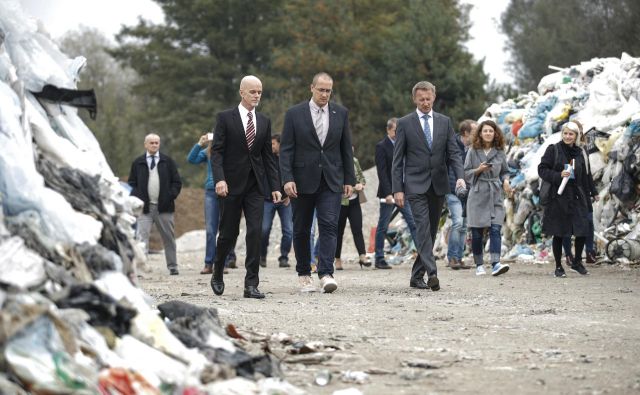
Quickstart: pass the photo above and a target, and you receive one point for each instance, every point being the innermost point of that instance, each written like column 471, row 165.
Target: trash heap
column 72, row 319
column 604, row 95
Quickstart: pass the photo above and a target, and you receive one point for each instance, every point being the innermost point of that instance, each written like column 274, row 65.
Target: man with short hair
column 284, row 212
column 154, row 179
column 384, row 161
column 245, row 170
column 316, row 166
column 458, row 231
column 425, row 147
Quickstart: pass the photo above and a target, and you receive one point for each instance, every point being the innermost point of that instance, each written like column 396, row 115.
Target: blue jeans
column 588, row 243
column 286, row 223
column 458, row 230
column 383, row 225
column 212, row 220
column 495, row 242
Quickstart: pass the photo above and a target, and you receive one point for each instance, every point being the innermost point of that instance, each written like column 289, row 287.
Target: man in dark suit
column 242, row 162
column 384, row 161
column 316, row 166
column 154, row 179
column 425, row 147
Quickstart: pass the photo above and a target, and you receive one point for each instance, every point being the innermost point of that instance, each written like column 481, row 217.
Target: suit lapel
column 420, row 131
column 237, row 122
column 306, row 114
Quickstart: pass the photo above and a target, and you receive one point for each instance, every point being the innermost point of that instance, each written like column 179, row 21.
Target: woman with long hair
column 487, row 174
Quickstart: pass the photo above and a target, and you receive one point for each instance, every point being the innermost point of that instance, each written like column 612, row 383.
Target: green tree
column 116, row 126
column 563, row 33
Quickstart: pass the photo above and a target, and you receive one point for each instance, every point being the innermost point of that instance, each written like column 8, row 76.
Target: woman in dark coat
column 566, row 214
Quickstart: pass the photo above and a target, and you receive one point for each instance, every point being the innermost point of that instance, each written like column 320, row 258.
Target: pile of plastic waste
column 604, row 95
column 72, row 319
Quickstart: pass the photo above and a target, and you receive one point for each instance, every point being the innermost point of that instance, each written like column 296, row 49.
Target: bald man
column 154, row 179
column 244, row 169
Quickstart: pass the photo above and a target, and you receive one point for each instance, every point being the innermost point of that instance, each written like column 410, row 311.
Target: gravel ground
column 523, row 332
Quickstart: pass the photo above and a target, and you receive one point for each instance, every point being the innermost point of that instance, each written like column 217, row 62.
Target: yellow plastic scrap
column 605, row 144
column 564, row 114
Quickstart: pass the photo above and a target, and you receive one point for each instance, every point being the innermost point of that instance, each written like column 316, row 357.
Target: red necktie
column 251, row 131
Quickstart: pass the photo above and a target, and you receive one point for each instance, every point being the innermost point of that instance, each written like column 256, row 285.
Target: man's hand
column 221, row 188
column 276, row 196
column 358, row 187
column 460, row 183
column 348, row 190
column 204, row 141
column 389, row 199
column 399, row 198
column 290, row 189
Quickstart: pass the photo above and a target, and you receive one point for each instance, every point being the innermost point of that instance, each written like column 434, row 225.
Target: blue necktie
column 153, row 162
column 427, row 130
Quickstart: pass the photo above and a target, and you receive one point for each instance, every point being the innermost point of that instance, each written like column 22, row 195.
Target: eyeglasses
column 322, row 90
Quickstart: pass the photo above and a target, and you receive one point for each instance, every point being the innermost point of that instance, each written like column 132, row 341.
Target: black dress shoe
column 253, row 292
column 433, row 283
column 419, row 283
column 217, row 286
column 382, row 265
column 173, row 272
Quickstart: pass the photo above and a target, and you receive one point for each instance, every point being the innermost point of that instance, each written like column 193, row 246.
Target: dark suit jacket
column 305, row 161
column 231, row 160
column 170, row 183
column 384, row 160
column 415, row 166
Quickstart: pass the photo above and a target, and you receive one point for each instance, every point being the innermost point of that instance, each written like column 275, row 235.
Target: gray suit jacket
column 305, row 161
column 416, row 167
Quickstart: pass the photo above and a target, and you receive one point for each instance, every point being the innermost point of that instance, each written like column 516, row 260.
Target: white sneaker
column 328, row 284
column 480, row 271
column 306, row 284
column 499, row 268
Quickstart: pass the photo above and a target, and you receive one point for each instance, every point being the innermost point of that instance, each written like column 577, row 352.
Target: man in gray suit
column 425, row 146
column 316, row 167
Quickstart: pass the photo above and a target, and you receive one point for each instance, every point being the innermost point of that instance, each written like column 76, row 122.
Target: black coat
column 231, row 160
column 565, row 214
column 170, row 183
column 304, row 160
column 384, row 160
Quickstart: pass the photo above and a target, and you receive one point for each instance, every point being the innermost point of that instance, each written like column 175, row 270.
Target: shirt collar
column 157, row 154
column 315, row 107
column 244, row 111
column 421, row 114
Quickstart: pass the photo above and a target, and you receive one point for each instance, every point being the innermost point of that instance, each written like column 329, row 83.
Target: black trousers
column 354, row 213
column 231, row 208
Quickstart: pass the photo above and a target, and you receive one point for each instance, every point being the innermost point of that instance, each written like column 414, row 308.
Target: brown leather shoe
column 463, row 265
column 207, row 270
column 454, row 264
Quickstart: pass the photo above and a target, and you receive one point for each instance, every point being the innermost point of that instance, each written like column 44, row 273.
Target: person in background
column 283, row 209
column 565, row 215
column 458, row 232
column 200, row 153
column 384, row 160
column 589, row 244
column 487, row 173
column 154, row 179
column 351, row 209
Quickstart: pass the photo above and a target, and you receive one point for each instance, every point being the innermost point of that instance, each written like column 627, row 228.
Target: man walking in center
column 316, row 166
column 242, row 163
column 425, row 147
column 384, row 161
column 154, row 179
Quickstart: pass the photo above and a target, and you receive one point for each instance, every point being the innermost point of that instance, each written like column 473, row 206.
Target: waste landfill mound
column 604, row 95
column 72, row 319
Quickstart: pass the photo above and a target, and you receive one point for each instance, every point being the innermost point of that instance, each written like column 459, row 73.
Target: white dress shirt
column 420, row 115
column 245, row 118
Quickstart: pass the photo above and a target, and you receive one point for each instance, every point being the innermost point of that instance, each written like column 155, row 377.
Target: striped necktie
column 251, row 131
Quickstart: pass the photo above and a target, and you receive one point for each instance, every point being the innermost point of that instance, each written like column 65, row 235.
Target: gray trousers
column 164, row 224
column 426, row 209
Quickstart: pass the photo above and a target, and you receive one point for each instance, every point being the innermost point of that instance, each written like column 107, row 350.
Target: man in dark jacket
column 154, row 179
column 384, row 160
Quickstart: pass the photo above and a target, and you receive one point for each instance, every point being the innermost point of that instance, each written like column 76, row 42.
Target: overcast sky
column 108, row 16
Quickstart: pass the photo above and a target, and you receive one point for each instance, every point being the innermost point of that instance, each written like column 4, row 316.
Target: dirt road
column 522, row 333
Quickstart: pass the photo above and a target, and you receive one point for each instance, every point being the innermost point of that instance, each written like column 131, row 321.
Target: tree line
column 174, row 77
